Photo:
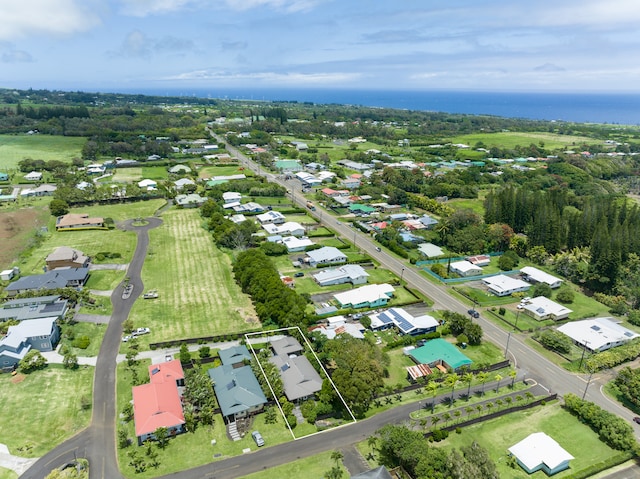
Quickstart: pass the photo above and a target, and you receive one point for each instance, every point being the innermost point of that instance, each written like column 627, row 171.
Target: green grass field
column 7, row 474
column 155, row 172
column 127, row 175
column 511, row 139
column 105, row 280
column 499, row 434
column 14, row 148
column 123, row 211
column 314, row 466
column 209, row 171
column 95, row 333
column 197, row 293
column 46, row 406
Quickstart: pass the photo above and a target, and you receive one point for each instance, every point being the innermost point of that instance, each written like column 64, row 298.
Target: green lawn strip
column 101, row 306
column 155, row 172
column 198, row 295
column 302, row 218
column 511, row 139
column 277, row 202
column 484, row 353
column 104, row 280
column 7, row 474
column 308, row 285
column 497, row 435
column 320, row 232
column 335, row 242
column 583, row 306
column 45, row 408
column 95, row 333
column 613, row 392
column 90, row 242
column 209, row 171
column 510, row 319
column 481, row 297
column 314, row 466
column 475, row 205
column 193, row 449
column 381, row 275
column 14, row 148
column 127, row 175
column 122, row 211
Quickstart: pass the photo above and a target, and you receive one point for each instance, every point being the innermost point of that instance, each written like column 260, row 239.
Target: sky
column 473, row 45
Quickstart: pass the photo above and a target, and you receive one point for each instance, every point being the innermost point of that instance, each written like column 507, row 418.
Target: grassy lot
column 123, row 211
column 155, row 172
column 18, row 230
column 7, row 474
column 14, row 148
column 462, row 203
column 95, row 333
column 127, row 175
column 209, row 171
column 481, row 297
column 105, row 279
column 47, row 407
column 102, row 305
column 314, row 466
column 511, row 139
column 397, row 371
column 198, row 295
column 499, row 434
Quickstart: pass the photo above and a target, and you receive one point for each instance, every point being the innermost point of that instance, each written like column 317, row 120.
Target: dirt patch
column 15, row 227
column 18, row 378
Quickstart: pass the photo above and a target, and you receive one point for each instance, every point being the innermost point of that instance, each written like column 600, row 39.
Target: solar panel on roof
column 628, row 334
column 384, row 318
column 401, row 321
column 595, row 328
column 155, row 371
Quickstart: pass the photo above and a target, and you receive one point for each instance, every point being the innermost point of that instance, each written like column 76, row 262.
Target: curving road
column 97, row 443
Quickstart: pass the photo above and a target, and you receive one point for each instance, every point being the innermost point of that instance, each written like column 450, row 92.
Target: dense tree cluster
column 555, row 341
column 401, row 446
column 275, row 303
column 460, row 324
column 612, row 429
column 628, row 383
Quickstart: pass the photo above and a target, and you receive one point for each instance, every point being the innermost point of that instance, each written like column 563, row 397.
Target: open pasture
column 508, row 139
column 14, row 148
column 197, row 292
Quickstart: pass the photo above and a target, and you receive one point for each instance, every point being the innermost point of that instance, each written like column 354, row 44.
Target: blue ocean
column 572, row 107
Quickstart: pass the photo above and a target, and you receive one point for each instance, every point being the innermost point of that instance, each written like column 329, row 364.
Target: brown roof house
column 64, row 256
column 79, row 221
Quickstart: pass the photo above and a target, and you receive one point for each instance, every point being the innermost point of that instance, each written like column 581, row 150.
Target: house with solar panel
column 405, row 322
column 34, row 308
column 598, row 334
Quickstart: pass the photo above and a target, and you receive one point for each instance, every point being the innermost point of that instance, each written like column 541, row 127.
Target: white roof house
column 539, row 451
column 335, row 329
column 294, row 244
column 231, row 196
column 308, row 178
column 148, row 184
column 430, row 250
column 503, row 285
column 465, row 268
column 182, row 182
column 289, row 228
column 349, row 273
column 405, row 322
column 534, row 275
column 542, row 308
column 597, row 334
column 371, row 295
column 326, row 255
column 238, row 218
column 271, row 217
column 33, row 176
column 250, row 207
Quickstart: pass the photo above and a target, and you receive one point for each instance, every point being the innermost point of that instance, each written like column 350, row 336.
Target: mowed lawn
column 197, row 293
column 45, row 408
column 508, row 139
column 498, row 435
column 14, row 148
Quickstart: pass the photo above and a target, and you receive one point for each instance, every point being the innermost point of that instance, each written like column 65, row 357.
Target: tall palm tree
column 337, row 456
column 513, row 374
column 432, row 387
column 450, row 381
column 498, row 378
column 482, row 377
column 468, row 378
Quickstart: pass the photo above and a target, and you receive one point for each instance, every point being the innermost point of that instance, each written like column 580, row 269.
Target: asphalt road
column 97, row 443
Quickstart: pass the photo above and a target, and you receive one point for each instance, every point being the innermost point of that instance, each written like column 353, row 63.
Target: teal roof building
column 439, row 351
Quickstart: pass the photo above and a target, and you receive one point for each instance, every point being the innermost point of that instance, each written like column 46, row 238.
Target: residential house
column 598, row 334
column 503, row 285
column 289, row 228
column 238, row 391
column 44, row 190
column 286, row 346
column 430, row 250
column 331, row 193
column 295, row 244
column 34, row 308
column 7, row 274
column 231, row 197
column 465, row 268
column 149, row 185
column 299, row 379
column 182, row 182
column 237, row 219
column 42, row 334
column 534, row 275
column 192, row 200
column 349, row 273
column 360, row 209
column 354, row 165
column 250, row 207
column 235, row 355
column 63, row 257
column 541, row 452
column 379, row 472
column 405, row 322
column 307, row 179
column 325, row 176
column 541, row 308
column 78, row 221
column 338, row 325
column 350, row 183
column 369, row 296
column 271, row 217
column 33, row 176
column 326, row 255
column 179, row 169
column 481, row 260
column 4, row 176
column 439, row 353
column 58, row 278
column 159, row 403
column 428, row 221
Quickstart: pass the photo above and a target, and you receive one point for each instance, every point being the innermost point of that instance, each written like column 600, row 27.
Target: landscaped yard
column 45, row 408
column 95, row 333
column 104, row 280
column 499, row 434
column 7, row 474
column 14, row 148
column 198, row 295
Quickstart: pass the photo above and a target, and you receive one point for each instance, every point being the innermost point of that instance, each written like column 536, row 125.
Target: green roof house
column 439, row 351
column 238, row 391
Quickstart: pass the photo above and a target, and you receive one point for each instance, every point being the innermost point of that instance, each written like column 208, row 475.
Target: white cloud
column 16, row 56
column 23, row 18
column 285, row 5
column 143, row 8
column 138, row 45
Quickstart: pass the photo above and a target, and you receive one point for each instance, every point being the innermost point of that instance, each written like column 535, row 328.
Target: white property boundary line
column 266, row 334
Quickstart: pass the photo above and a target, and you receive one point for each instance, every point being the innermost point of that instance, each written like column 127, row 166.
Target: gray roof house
column 349, row 273
column 326, row 255
column 299, row 379
column 237, row 390
column 234, row 355
column 380, row 472
column 58, row 278
column 34, row 308
column 41, row 334
column 192, row 200
column 286, row 346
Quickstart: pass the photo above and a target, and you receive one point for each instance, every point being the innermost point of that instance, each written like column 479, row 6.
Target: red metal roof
column 171, row 371
column 156, row 405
